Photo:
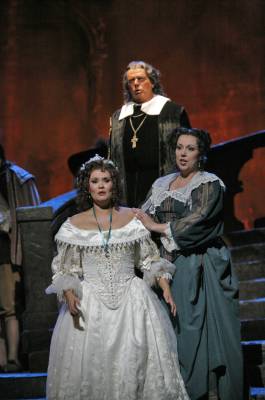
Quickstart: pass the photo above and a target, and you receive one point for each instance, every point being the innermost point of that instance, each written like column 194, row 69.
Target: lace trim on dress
column 152, row 265
column 131, row 233
column 67, row 272
column 97, row 247
column 161, row 268
column 160, row 190
column 61, row 283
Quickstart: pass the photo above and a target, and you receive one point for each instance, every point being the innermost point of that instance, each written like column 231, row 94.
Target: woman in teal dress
column 186, row 209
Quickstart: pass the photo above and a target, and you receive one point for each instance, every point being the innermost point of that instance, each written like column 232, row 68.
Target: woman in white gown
column 113, row 339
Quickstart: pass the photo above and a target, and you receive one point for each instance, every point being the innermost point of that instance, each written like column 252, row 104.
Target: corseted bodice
column 108, row 271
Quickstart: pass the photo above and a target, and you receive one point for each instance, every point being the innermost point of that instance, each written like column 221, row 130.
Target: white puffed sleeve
column 67, row 271
column 151, row 264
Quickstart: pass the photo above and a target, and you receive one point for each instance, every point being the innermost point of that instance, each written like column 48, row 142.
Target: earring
column 202, row 160
column 89, row 198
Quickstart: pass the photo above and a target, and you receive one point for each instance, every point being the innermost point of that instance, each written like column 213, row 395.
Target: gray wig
column 152, row 73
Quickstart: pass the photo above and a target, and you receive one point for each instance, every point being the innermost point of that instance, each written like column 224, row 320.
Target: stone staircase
column 26, row 386
column 248, row 253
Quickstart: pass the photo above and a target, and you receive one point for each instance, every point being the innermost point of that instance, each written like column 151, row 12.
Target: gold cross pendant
column 134, row 141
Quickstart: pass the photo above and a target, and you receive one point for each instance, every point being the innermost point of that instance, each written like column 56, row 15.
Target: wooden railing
column 226, row 160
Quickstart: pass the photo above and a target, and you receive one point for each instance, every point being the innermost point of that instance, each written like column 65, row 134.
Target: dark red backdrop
column 60, row 76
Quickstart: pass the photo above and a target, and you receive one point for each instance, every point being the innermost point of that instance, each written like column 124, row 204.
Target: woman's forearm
column 163, row 283
column 159, row 228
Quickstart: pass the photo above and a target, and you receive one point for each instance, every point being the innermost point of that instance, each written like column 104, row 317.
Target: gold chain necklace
column 137, row 116
column 134, row 139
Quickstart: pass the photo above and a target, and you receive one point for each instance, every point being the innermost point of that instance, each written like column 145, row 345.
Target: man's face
column 140, row 86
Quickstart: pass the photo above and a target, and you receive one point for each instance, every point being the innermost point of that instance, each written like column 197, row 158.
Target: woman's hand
column 163, row 283
column 148, row 222
column 72, row 301
column 169, row 300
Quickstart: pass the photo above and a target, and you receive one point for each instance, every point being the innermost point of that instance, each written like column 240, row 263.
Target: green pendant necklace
column 105, row 241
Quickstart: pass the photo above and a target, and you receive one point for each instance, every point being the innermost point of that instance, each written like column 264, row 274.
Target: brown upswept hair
column 84, row 200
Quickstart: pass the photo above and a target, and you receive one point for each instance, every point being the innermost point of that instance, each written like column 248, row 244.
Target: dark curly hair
column 203, row 139
column 152, row 73
column 84, row 200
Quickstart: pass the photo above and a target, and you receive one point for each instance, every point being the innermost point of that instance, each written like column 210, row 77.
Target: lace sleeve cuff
column 167, row 240
column 62, row 283
column 161, row 268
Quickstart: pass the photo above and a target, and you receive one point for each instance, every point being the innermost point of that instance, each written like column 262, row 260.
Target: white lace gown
column 124, row 347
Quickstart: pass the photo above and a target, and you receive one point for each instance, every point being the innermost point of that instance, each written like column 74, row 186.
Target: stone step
column 254, row 363
column 252, row 288
column 238, row 238
column 253, row 308
column 247, row 270
column 257, row 393
column 38, row 361
column 255, row 375
column 254, row 352
column 253, row 329
column 22, row 386
column 248, row 252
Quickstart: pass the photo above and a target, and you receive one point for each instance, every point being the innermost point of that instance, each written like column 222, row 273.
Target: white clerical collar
column 151, row 107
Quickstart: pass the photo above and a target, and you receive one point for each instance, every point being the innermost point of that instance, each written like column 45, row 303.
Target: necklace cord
column 105, row 241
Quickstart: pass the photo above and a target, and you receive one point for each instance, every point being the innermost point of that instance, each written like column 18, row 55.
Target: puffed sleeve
column 151, row 264
column 202, row 222
column 67, row 270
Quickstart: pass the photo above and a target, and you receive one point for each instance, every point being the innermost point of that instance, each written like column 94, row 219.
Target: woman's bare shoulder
column 126, row 211
column 123, row 216
column 82, row 220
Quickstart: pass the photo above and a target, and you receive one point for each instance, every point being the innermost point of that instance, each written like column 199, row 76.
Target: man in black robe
column 140, row 130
